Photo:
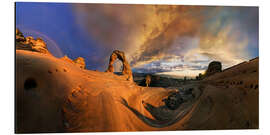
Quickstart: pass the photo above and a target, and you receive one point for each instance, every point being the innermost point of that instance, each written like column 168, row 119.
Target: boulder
column 173, row 101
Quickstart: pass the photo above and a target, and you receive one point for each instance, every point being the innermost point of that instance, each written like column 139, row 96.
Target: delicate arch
column 126, row 70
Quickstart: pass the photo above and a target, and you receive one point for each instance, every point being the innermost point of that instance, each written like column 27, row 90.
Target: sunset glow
column 172, row 39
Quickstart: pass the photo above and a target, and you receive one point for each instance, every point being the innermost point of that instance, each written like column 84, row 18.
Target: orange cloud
column 150, row 33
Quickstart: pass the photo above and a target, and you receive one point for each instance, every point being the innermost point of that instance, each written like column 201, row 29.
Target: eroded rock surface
column 30, row 44
column 173, row 101
column 49, row 99
column 79, row 62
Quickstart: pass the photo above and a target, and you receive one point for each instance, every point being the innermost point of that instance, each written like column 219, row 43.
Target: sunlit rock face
column 19, row 36
column 79, row 62
column 30, row 44
column 214, row 67
column 66, row 58
column 126, row 67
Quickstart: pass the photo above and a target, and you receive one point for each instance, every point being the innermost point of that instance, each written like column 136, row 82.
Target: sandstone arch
column 126, row 70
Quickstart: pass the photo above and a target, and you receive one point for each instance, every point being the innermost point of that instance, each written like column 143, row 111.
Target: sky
column 164, row 39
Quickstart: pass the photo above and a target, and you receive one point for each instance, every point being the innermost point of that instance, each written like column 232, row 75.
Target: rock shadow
column 162, row 115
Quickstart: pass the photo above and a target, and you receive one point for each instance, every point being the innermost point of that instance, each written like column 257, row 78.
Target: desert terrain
column 60, row 95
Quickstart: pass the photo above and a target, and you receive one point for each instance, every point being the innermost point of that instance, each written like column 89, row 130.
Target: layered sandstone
column 30, row 44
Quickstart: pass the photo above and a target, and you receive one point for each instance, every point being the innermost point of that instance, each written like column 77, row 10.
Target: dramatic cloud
column 188, row 36
column 144, row 32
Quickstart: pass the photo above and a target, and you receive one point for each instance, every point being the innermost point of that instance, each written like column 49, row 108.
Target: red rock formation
column 147, row 80
column 56, row 96
column 66, row 58
column 19, row 36
column 30, row 44
column 126, row 67
column 38, row 45
column 79, row 62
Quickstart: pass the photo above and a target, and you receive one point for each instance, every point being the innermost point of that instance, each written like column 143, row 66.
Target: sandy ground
column 53, row 95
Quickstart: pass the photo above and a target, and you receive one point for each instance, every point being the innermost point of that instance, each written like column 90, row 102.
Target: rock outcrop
column 78, row 61
column 126, row 71
column 173, row 101
column 38, row 45
column 30, row 44
column 213, row 67
column 19, row 36
column 66, row 58
column 147, row 80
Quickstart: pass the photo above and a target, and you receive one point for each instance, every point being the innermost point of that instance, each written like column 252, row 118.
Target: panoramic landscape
column 113, row 68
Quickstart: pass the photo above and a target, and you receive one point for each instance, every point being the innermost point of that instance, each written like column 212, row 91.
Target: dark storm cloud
column 149, row 33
